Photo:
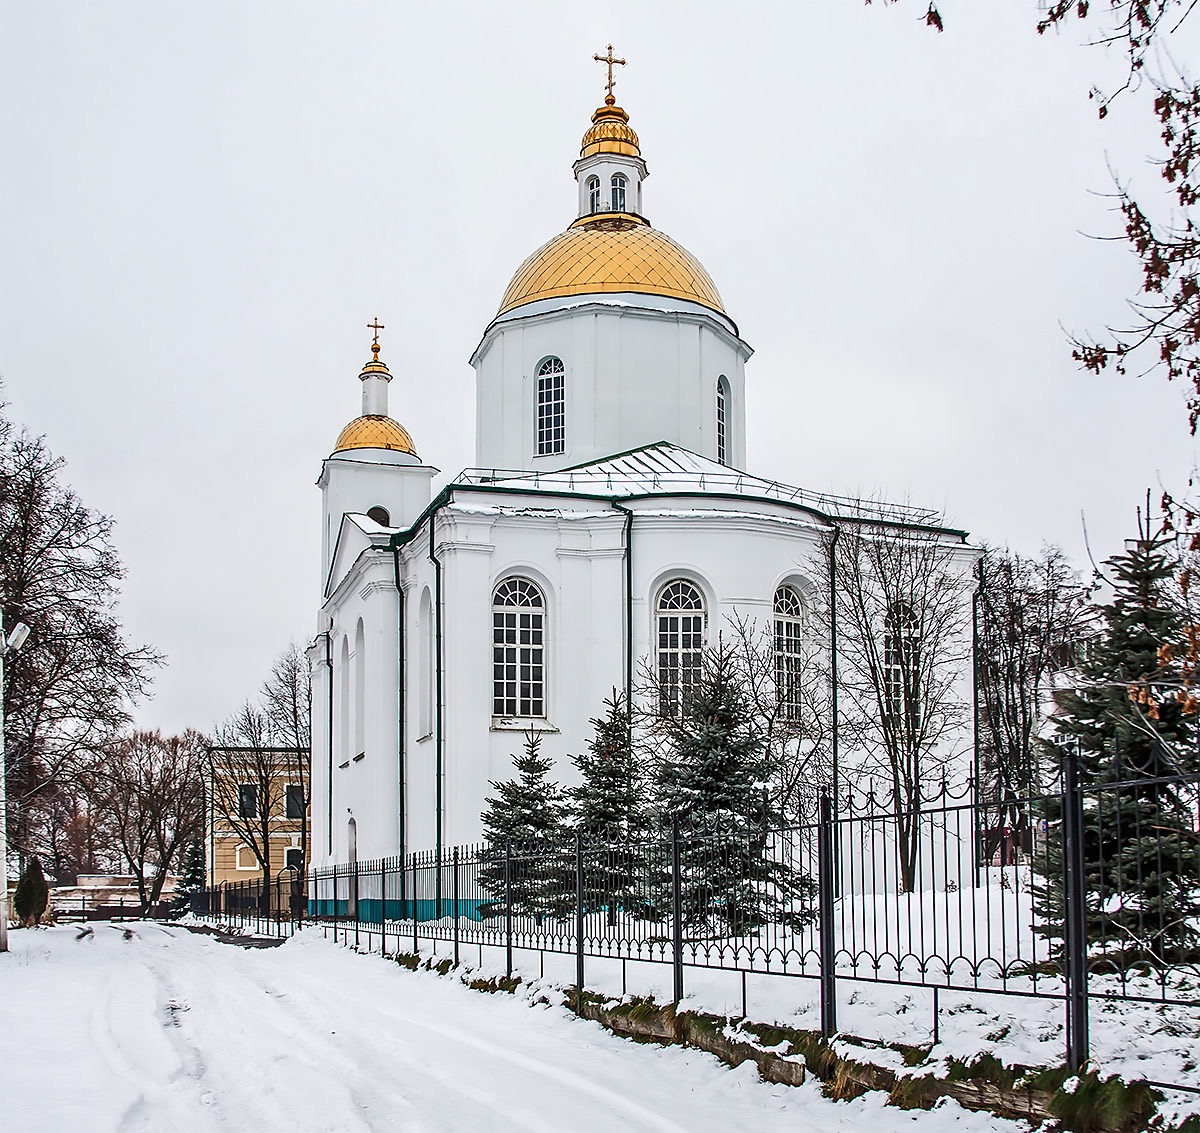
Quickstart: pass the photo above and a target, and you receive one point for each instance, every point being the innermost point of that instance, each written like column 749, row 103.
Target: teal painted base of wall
column 373, row 911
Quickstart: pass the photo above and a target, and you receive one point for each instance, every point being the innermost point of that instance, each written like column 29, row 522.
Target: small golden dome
column 375, row 432
column 610, row 132
column 611, row 253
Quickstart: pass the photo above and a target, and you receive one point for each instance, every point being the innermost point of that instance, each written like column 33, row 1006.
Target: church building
column 611, row 527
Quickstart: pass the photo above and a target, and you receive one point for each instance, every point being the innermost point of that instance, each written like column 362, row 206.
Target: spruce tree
column 711, row 779
column 612, row 795
column 1132, row 722
column 191, row 880
column 609, row 808
column 32, row 896
column 529, row 854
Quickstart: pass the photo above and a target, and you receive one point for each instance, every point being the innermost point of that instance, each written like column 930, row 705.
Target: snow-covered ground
column 151, row 1027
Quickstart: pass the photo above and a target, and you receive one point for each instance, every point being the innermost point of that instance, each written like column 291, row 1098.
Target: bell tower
column 374, row 469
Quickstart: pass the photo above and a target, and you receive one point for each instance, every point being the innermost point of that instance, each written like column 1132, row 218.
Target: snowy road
column 168, row 1030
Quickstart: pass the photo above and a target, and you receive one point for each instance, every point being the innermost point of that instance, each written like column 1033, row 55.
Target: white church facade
column 609, row 527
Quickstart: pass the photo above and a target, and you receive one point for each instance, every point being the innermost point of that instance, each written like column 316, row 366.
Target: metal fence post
column 383, row 906
column 676, row 912
column 354, row 883
column 1075, row 914
column 508, row 907
column 578, row 919
column 416, row 944
column 825, row 890
column 454, row 895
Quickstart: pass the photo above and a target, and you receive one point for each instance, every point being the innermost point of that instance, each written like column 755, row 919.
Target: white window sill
column 522, row 724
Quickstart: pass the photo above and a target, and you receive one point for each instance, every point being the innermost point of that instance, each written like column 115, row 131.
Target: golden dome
column 615, row 252
column 610, row 132
column 375, row 432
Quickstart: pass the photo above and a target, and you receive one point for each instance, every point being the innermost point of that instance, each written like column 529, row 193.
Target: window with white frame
column 294, row 801
column 789, row 644
column 680, row 617
column 551, row 407
column 619, row 184
column 518, row 650
column 247, row 800
column 244, row 858
column 900, row 660
column 722, row 420
column 593, row 189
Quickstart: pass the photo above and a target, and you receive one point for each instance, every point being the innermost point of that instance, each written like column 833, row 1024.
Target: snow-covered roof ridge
column 666, row 468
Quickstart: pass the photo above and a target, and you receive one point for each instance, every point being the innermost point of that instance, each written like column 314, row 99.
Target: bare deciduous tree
column 150, row 788
column 904, row 619
column 68, row 692
column 788, row 695
column 261, row 752
column 1033, row 614
column 1163, row 329
column 287, row 700
column 81, row 837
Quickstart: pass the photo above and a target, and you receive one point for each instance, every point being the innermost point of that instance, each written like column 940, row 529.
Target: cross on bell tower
column 611, row 62
column 376, row 326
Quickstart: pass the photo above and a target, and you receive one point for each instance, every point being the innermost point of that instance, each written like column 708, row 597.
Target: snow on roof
column 665, row 468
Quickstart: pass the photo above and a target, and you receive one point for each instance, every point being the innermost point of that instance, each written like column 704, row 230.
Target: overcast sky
column 202, row 205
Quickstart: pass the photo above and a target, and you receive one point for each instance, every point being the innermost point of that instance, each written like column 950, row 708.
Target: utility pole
column 14, row 641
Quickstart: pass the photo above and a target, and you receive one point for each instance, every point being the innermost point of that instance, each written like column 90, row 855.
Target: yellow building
column 237, row 790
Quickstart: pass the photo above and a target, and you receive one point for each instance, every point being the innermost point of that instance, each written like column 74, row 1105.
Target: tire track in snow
column 245, row 1013
column 337, row 1055
column 367, row 1075
column 575, row 1082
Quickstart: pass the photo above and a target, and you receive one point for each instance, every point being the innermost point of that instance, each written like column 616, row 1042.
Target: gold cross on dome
column 611, row 62
column 376, row 326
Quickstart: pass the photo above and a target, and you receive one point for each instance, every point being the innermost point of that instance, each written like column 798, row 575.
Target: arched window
column 722, row 420
column 380, row 515
column 343, row 705
column 360, row 690
column 901, row 655
column 425, row 674
column 551, row 407
column 680, row 643
column 518, row 650
column 789, row 630
column 619, row 183
column 593, row 190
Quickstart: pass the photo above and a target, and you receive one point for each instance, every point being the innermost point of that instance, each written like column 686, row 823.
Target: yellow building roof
column 375, row 432
column 611, row 253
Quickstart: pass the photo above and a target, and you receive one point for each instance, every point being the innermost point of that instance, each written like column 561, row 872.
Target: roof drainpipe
column 627, row 539
column 329, row 780
column 439, row 737
column 976, row 595
column 833, row 673
column 401, row 738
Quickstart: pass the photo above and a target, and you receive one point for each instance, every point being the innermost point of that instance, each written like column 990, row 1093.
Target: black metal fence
column 1087, row 891
column 276, row 908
